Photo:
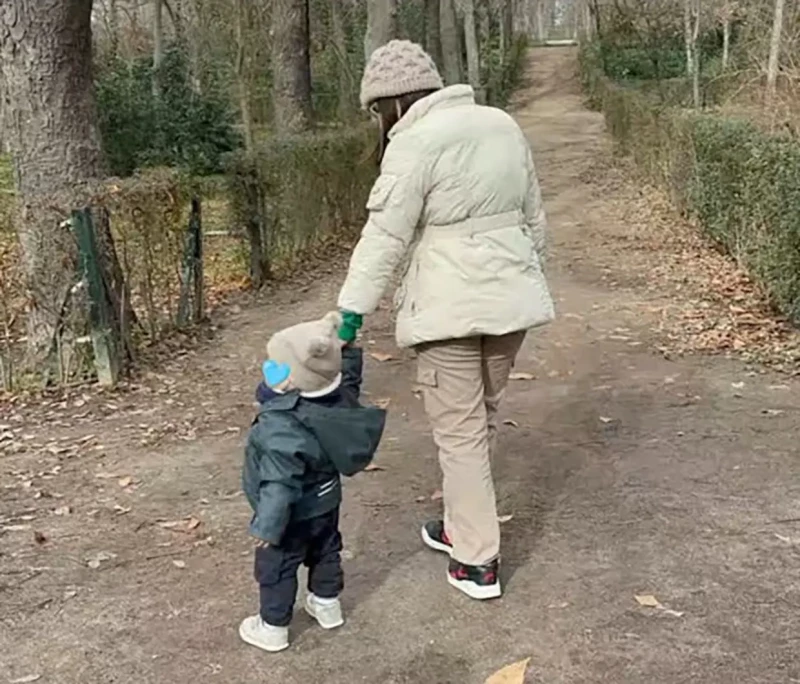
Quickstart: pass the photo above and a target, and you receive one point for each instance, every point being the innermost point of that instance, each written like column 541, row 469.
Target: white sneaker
column 256, row 632
column 327, row 613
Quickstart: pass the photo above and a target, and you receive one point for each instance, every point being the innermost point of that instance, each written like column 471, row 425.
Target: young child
column 310, row 429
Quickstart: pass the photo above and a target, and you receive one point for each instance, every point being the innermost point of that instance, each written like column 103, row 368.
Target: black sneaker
column 480, row 582
column 436, row 538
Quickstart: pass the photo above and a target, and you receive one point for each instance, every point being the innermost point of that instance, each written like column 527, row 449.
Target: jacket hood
column 349, row 436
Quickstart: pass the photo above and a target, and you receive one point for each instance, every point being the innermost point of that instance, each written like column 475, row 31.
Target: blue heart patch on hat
column 275, row 373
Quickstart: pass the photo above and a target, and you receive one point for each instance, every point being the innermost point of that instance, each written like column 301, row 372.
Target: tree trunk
column 471, row 40
column 291, row 65
column 51, row 122
column 774, row 53
column 696, row 55
column 451, row 45
column 242, row 82
column 691, row 32
column 178, row 23
column 381, row 25
column 541, row 31
column 158, row 44
column 347, row 90
column 506, row 28
column 113, row 28
column 433, row 32
column 158, row 34
column 726, row 43
column 687, row 37
column 193, row 42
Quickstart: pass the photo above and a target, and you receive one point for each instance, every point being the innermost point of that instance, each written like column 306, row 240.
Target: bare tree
column 291, row 65
column 381, row 24
column 347, row 80
column 725, row 17
column 774, row 53
column 241, row 18
column 451, row 45
column 467, row 8
column 433, row 32
column 691, row 27
column 506, row 10
column 113, row 27
column 158, row 34
column 52, row 134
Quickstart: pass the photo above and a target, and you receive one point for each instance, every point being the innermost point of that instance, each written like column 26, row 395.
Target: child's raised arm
column 352, row 371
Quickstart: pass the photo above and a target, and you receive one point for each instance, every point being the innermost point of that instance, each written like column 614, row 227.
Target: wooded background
column 134, row 107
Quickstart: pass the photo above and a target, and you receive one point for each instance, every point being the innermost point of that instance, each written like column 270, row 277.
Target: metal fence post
column 105, row 342
column 192, row 278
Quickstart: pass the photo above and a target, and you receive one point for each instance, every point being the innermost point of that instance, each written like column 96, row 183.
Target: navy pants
column 317, row 544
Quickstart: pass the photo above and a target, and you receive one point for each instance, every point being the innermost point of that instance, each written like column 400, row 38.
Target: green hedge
column 740, row 183
column 294, row 192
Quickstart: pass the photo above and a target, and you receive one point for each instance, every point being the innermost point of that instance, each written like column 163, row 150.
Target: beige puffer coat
column 458, row 198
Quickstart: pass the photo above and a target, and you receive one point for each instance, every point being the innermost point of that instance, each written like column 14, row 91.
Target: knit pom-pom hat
column 310, row 354
column 398, row 68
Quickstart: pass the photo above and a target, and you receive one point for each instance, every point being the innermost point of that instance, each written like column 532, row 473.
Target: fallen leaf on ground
column 382, row 403
column 512, row 423
column 95, row 561
column 381, row 357
column 192, row 524
column 786, row 540
column 63, row 510
column 606, row 420
column 437, row 495
column 773, row 412
column 673, row 613
column 648, row 601
column 511, row 674
column 125, row 482
column 521, row 376
column 421, row 499
column 171, row 524
column 121, row 510
column 372, row 467
column 179, row 564
column 27, row 679
column 505, row 518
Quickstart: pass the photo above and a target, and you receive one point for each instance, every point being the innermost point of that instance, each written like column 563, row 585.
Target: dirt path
column 627, row 474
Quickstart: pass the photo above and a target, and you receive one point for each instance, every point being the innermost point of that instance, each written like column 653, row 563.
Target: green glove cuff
column 351, row 324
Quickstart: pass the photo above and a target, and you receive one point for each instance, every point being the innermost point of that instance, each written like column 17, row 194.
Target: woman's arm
column 535, row 219
column 394, row 205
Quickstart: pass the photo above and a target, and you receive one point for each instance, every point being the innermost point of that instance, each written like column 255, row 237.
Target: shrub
column 172, row 127
column 740, row 183
column 300, row 189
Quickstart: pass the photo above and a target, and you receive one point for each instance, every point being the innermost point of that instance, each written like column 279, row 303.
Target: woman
column 458, row 202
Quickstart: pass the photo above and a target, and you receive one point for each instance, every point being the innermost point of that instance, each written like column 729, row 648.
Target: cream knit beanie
column 398, row 68
column 312, row 351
